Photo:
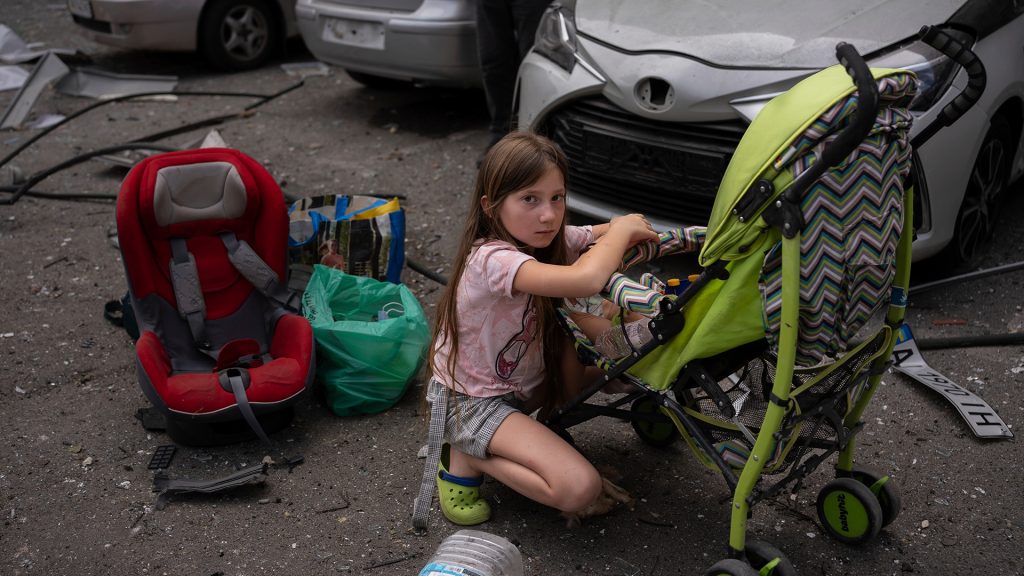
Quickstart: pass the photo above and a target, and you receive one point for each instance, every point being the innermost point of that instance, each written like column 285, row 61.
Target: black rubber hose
column 965, row 277
column 61, row 195
column 422, row 269
column 970, row 341
column 38, row 177
column 263, row 99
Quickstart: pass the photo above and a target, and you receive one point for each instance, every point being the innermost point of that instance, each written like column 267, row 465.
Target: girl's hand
column 635, row 226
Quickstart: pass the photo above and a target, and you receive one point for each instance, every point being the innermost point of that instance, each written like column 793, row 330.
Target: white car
column 649, row 99
column 384, row 42
column 231, row 34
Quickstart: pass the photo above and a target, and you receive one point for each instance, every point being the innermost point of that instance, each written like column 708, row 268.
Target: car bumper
column 627, row 154
column 430, row 45
column 142, row 24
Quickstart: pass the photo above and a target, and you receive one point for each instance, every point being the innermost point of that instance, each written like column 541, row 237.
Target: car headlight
column 556, row 34
column 935, row 72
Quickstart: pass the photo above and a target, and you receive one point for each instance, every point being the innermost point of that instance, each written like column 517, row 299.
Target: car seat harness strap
column 188, row 293
column 236, row 380
column 257, row 272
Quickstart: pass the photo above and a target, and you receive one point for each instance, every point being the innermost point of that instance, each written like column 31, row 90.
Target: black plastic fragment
column 162, row 457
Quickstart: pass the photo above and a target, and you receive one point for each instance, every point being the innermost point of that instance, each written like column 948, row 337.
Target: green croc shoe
column 460, row 497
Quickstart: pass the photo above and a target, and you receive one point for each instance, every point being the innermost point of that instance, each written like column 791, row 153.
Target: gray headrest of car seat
column 204, row 191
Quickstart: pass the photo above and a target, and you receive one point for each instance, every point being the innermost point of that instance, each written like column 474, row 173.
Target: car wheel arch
column 1012, row 111
column 975, row 220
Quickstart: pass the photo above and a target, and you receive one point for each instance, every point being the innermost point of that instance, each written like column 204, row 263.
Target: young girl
column 498, row 351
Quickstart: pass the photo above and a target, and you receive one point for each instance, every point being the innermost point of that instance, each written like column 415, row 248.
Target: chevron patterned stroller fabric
column 760, row 365
column 854, row 218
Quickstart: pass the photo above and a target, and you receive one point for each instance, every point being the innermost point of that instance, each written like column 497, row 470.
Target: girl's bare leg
column 535, row 462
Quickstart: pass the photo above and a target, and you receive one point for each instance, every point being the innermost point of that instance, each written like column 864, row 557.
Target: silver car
column 649, row 99
column 231, row 34
column 381, row 42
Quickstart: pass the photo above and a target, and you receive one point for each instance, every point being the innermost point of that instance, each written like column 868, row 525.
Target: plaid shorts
column 471, row 422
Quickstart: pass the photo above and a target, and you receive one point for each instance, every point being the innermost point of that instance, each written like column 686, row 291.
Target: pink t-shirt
column 499, row 350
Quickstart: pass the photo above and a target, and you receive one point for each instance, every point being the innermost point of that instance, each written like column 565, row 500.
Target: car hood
column 755, row 33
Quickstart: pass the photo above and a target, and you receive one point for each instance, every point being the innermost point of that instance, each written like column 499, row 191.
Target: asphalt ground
column 76, row 493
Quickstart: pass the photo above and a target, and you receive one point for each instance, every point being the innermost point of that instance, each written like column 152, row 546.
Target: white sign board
column 983, row 420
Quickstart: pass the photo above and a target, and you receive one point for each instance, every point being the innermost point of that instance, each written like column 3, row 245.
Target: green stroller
column 759, row 365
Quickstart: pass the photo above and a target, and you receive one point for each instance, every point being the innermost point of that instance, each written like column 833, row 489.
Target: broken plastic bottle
column 474, row 553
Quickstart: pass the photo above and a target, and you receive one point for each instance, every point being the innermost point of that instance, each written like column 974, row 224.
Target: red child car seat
column 204, row 238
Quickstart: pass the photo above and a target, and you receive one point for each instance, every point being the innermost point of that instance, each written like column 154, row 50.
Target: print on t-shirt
column 508, row 359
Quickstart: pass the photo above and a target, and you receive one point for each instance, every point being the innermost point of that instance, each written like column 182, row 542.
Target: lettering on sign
column 982, row 419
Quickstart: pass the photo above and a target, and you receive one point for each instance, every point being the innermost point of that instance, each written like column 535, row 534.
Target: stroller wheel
column 849, row 511
column 761, row 554
column 883, row 487
column 651, row 425
column 730, row 567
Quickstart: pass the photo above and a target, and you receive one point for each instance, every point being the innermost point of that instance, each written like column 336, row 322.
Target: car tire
column 986, row 191
column 377, row 82
column 239, row 34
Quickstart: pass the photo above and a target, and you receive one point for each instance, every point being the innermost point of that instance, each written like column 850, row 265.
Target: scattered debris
column 390, row 562
column 653, row 522
column 47, row 70
column 12, row 77
column 152, row 419
column 103, row 85
column 162, row 457
column 14, row 50
column 305, row 69
column 129, row 158
column 45, row 121
column 167, row 487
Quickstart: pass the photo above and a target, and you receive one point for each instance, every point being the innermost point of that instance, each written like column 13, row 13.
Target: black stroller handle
column 976, row 80
column 867, row 106
column 848, row 139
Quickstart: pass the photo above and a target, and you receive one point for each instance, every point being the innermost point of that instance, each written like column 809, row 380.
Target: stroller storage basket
column 820, row 402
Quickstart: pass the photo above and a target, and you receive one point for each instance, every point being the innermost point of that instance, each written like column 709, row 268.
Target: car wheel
column 377, row 82
column 986, row 189
column 239, row 34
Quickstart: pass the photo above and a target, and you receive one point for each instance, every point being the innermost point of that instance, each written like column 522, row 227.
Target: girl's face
column 534, row 215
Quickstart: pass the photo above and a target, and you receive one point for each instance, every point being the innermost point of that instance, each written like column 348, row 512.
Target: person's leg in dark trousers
column 505, row 32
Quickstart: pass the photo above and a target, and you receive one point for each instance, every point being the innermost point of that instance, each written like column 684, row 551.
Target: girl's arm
column 591, row 271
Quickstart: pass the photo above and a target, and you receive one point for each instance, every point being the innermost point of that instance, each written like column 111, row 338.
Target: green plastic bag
column 371, row 338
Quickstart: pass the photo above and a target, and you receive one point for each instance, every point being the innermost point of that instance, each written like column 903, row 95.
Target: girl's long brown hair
column 517, row 161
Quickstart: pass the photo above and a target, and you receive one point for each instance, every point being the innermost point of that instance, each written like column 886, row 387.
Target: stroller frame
column 660, row 415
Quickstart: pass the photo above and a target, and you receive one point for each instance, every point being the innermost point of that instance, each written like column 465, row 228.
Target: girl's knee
column 581, row 491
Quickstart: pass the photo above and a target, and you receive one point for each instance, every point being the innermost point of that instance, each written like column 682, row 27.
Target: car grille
column 667, row 170
column 91, row 24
